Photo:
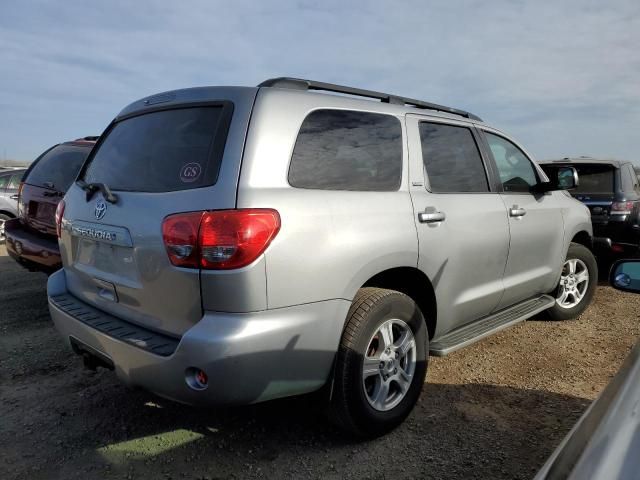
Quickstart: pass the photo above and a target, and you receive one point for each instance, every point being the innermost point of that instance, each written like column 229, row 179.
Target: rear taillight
column 219, row 240
column 180, row 235
column 621, row 208
column 20, row 205
column 59, row 214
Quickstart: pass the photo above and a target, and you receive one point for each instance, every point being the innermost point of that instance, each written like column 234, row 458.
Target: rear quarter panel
column 330, row 242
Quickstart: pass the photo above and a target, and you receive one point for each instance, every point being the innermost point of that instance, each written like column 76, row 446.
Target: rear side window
column 4, row 179
column 452, row 159
column 628, row 177
column 347, row 150
column 162, row 151
column 58, row 168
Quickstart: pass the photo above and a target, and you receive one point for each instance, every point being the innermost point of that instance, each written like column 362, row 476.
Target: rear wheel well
column 583, row 238
column 8, row 214
column 413, row 283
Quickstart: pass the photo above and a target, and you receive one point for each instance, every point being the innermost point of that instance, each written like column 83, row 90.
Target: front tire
column 577, row 284
column 381, row 363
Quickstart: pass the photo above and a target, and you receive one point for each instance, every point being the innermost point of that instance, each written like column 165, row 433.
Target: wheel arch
column 415, row 284
column 583, row 238
column 7, row 213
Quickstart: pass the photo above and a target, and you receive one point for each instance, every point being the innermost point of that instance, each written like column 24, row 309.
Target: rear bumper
column 248, row 358
column 32, row 251
column 617, row 237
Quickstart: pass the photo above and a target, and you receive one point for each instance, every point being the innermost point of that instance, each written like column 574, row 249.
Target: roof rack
column 302, row 84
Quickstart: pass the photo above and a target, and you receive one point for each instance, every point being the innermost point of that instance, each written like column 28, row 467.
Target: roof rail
column 302, row 84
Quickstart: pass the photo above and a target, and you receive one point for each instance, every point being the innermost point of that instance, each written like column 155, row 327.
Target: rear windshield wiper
column 92, row 188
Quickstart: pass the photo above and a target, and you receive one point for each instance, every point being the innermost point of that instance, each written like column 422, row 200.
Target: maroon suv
column 31, row 238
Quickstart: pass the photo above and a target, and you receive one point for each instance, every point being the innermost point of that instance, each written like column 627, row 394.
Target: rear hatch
column 595, row 189
column 176, row 152
column 46, row 182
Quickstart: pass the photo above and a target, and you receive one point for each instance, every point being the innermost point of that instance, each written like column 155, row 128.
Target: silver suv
column 231, row 245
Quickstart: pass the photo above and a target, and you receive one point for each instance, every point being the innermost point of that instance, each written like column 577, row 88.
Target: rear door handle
column 517, row 212
column 13, row 197
column 431, row 217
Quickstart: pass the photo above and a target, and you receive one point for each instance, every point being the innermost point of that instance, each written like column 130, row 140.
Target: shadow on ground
column 456, row 431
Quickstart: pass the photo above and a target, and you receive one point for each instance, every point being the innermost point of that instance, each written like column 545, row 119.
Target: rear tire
column 572, row 295
column 381, row 363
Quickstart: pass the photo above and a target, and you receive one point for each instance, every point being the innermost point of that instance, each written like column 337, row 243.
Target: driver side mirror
column 566, row 178
column 625, row 276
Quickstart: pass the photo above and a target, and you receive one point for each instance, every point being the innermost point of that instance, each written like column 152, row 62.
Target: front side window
column 452, row 159
column 4, row 179
column 14, row 181
column 516, row 171
column 347, row 150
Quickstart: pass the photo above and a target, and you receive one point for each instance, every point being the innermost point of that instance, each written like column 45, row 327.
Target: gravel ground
column 494, row 410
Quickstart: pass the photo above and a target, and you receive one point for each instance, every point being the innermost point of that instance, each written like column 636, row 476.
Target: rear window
column 58, row 167
column 162, row 151
column 347, row 150
column 591, row 178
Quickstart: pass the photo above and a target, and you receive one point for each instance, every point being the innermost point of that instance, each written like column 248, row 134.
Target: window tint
column 451, row 159
column 344, row 150
column 4, row 179
column 59, row 167
column 516, row 171
column 162, row 151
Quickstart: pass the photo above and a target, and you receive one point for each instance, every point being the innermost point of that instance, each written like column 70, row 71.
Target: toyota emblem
column 101, row 209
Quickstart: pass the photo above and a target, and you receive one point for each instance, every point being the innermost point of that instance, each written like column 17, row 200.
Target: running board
column 482, row 328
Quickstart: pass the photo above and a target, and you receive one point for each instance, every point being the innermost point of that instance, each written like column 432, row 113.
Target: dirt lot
column 494, row 410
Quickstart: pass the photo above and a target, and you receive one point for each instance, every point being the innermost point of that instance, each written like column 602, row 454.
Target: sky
column 562, row 77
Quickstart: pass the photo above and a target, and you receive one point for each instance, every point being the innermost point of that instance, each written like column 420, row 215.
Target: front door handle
column 517, row 212
column 431, row 217
column 14, row 197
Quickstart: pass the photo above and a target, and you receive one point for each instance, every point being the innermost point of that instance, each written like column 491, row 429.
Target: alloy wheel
column 389, row 365
column 574, row 282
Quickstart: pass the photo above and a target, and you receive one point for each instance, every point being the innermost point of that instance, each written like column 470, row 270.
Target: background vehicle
column 9, row 182
column 31, row 238
column 611, row 190
column 236, row 245
column 604, row 442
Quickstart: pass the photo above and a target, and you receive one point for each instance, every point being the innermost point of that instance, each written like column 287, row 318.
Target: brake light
column 219, row 240
column 180, row 236
column 621, row 208
column 59, row 214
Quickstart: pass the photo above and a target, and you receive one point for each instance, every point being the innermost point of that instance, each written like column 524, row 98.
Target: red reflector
column 235, row 238
column 58, row 217
column 617, row 248
column 180, row 235
column 222, row 239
